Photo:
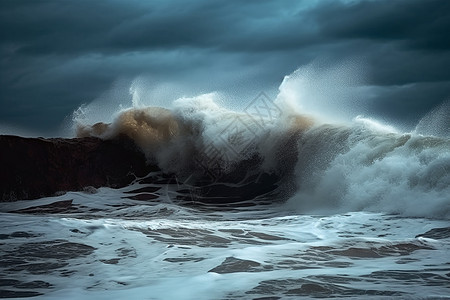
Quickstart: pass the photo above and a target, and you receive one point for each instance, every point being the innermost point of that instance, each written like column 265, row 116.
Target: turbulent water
column 262, row 203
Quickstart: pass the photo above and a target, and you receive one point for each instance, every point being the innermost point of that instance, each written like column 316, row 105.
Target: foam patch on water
column 149, row 248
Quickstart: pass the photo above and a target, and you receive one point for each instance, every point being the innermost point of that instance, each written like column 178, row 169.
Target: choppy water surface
column 105, row 245
column 296, row 204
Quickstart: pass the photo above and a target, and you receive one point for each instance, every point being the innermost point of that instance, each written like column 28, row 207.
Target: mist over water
column 339, row 158
column 436, row 122
column 294, row 150
column 302, row 194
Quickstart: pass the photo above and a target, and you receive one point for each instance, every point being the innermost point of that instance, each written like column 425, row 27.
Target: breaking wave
column 321, row 166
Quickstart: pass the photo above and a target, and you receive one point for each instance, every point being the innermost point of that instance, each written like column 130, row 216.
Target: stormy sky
column 56, row 55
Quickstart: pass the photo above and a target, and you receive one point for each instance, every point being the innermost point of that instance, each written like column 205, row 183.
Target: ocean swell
column 320, row 167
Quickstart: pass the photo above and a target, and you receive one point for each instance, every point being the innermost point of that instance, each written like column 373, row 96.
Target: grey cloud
column 410, row 101
column 57, row 54
column 415, row 23
column 64, row 27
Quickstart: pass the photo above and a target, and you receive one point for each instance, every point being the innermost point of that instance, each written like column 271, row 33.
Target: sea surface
column 104, row 245
column 267, row 202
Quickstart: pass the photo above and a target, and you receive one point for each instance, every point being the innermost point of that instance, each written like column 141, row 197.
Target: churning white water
column 354, row 208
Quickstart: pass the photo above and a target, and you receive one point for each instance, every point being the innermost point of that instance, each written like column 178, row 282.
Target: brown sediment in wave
column 31, row 168
column 149, row 127
column 152, row 138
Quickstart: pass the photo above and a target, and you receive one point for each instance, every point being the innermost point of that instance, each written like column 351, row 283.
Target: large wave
column 322, row 166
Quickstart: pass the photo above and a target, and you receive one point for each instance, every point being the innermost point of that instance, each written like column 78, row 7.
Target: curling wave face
column 320, row 167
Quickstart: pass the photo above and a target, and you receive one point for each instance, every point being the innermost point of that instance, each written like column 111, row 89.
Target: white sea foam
column 337, row 163
column 178, row 257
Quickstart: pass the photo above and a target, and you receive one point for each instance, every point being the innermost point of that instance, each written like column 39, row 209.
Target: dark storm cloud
column 58, row 54
column 416, row 24
column 64, row 27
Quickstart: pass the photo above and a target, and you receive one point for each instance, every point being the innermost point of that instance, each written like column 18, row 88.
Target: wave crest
column 320, row 162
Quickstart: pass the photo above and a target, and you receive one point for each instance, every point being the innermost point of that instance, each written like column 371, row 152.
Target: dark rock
column 31, row 168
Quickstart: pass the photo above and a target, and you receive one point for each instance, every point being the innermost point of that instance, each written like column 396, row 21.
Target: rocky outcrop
column 31, row 168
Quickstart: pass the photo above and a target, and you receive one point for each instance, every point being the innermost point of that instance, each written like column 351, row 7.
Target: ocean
column 260, row 203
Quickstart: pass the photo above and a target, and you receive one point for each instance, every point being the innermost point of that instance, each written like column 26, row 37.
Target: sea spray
column 323, row 164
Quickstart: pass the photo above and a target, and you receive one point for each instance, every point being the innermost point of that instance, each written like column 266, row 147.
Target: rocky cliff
column 31, row 168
